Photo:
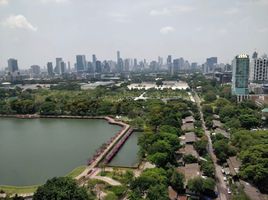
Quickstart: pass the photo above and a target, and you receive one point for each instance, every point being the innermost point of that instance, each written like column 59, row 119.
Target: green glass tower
column 240, row 75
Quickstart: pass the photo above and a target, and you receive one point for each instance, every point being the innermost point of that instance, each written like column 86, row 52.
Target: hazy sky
column 37, row 31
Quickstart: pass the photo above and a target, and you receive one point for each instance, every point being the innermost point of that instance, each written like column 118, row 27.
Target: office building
column 259, row 70
column 12, row 65
column 240, row 76
column 98, row 67
column 169, row 64
column 50, row 69
column 35, row 69
column 62, row 67
column 94, row 60
column 211, row 64
column 81, row 63
column 57, row 68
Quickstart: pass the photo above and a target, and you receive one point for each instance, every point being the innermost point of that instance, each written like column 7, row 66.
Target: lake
column 34, row 150
column 128, row 154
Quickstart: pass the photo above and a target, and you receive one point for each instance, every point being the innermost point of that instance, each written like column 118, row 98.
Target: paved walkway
column 89, row 169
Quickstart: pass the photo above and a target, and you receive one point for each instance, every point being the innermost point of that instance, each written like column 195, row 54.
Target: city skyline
column 35, row 32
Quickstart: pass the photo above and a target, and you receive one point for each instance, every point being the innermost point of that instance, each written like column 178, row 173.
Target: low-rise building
column 190, row 171
column 190, row 138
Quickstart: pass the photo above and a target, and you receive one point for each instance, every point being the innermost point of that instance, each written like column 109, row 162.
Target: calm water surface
column 31, row 151
column 128, row 154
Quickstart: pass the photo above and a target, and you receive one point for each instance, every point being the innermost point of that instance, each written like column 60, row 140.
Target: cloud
column 18, row 22
column 173, row 10
column 231, row 11
column 4, row 2
column 167, row 29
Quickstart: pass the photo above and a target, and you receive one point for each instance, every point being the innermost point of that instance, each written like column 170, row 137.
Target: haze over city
column 37, row 31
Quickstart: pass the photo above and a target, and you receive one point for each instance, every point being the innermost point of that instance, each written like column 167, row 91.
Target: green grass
column 74, row 173
column 32, row 188
column 18, row 189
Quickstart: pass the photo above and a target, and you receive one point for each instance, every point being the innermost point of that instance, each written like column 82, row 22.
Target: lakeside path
column 87, row 172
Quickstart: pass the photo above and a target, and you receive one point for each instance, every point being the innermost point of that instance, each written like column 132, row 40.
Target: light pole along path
column 221, row 186
column 89, row 170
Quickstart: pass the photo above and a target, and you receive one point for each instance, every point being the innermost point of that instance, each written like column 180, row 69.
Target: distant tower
column 80, row 63
column 169, row 64
column 50, row 69
column 94, row 60
column 12, row 65
column 255, row 55
column 57, row 68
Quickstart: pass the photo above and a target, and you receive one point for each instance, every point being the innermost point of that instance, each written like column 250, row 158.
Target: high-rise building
column 169, row 64
column 211, row 63
column 94, row 60
column 35, row 69
column 259, row 70
column 57, row 68
column 62, row 67
column 12, row 65
column 50, row 68
column 98, row 67
column 81, row 63
column 240, row 75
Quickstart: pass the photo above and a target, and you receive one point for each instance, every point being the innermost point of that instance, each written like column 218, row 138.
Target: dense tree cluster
column 61, row 189
column 253, row 152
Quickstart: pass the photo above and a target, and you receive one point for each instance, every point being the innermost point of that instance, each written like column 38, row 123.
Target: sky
column 38, row 31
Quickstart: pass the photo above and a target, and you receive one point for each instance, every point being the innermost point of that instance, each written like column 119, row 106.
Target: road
column 220, row 183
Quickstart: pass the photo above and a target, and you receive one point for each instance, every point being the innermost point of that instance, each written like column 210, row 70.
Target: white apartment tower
column 259, row 70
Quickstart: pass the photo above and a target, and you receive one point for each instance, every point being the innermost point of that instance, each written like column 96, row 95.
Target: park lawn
column 33, row 188
column 19, row 189
column 74, row 173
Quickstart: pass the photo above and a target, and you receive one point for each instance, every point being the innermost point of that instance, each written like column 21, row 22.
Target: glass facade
column 240, row 75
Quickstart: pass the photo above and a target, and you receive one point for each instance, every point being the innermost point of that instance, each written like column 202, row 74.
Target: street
column 221, row 185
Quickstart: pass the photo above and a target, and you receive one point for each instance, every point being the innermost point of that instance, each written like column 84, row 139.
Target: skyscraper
column 211, row 63
column 80, row 63
column 98, row 67
column 120, row 63
column 259, row 70
column 35, row 69
column 62, row 67
column 240, row 76
column 12, row 65
column 57, row 68
column 94, row 60
column 50, row 68
column 169, row 64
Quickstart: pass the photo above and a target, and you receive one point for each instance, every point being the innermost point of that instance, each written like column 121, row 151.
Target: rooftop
column 234, row 165
column 190, row 137
column 190, row 171
column 187, row 127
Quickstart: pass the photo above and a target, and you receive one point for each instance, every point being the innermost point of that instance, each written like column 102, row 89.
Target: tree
column 248, row 121
column 196, row 185
column 201, row 146
column 61, row 188
column 210, row 97
column 177, row 181
column 200, row 185
column 159, row 159
column 189, row 159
